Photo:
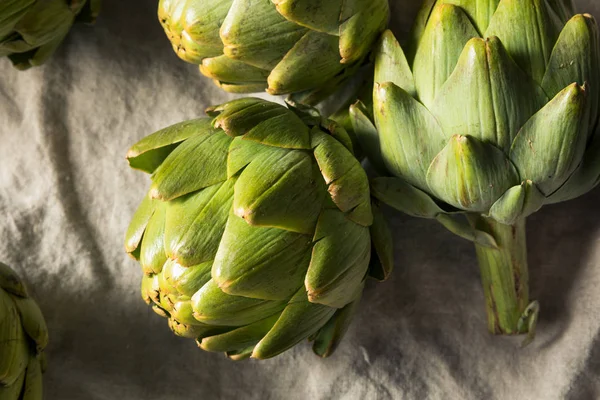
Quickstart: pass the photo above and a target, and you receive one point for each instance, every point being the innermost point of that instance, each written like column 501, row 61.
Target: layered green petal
column 447, row 31
column 487, row 97
column 339, row 260
column 470, row 174
column 410, row 135
column 528, row 29
column 551, row 144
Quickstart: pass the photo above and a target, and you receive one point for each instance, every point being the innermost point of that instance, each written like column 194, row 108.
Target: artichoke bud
column 474, row 103
column 31, row 30
column 258, row 221
column 23, row 337
column 282, row 46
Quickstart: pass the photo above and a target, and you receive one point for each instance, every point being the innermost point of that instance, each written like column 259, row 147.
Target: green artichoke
column 23, row 337
column 257, row 230
column 491, row 112
column 31, row 30
column 282, row 46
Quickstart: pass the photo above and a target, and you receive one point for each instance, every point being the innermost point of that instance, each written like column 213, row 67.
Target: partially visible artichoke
column 492, row 112
column 31, row 30
column 23, row 337
column 283, row 46
column 257, row 229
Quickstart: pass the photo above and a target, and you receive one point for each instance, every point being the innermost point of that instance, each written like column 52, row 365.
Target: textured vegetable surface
column 31, row 30
column 282, row 46
column 257, row 230
column 491, row 111
column 23, row 337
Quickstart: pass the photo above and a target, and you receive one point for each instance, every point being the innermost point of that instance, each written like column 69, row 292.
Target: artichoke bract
column 23, row 337
column 31, row 30
column 257, row 230
column 491, row 112
column 282, row 46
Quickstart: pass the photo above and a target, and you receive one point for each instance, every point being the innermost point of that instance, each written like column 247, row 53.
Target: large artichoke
column 491, row 112
column 31, row 30
column 283, row 46
column 23, row 337
column 257, row 229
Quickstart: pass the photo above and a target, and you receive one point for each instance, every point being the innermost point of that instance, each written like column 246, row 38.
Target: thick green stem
column 505, row 277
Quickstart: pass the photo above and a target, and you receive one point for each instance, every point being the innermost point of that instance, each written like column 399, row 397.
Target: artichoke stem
column 505, row 277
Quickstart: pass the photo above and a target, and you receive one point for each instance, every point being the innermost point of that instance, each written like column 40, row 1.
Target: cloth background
column 67, row 194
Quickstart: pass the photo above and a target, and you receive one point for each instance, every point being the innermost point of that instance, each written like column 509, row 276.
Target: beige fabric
column 67, row 194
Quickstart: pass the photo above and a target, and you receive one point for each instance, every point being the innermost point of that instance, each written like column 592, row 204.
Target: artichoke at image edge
column 32, row 30
column 491, row 112
column 258, row 228
column 281, row 46
column 23, row 337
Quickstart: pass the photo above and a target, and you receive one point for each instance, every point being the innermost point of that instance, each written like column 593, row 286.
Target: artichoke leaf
column 367, row 136
column 418, row 28
column 339, row 261
column 586, row 176
column 329, row 336
column 299, row 320
column 43, row 21
column 152, row 251
column 138, row 224
column 33, row 321
column 479, row 11
column 255, row 33
column 359, row 31
column 224, row 69
column 11, row 282
column 195, row 222
column 32, row 386
column 488, row 81
column 311, row 62
column 576, row 58
column 448, row 31
column 15, row 389
column 410, row 135
column 150, row 152
column 197, row 163
column 318, row 15
column 277, row 189
column 470, row 175
column 404, row 197
column 11, row 12
column 462, row 229
column 551, row 144
column 518, row 202
column 262, row 263
column 346, row 179
column 382, row 261
column 212, row 306
column 193, row 27
column 187, row 280
column 528, row 29
column 240, row 338
column 391, row 64
column 15, row 347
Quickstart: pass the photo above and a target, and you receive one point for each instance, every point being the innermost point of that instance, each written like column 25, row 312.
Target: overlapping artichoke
column 282, row 46
column 491, row 112
column 23, row 337
column 257, row 230
column 31, row 30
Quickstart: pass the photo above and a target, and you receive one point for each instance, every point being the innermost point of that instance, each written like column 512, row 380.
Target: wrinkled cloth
column 67, row 195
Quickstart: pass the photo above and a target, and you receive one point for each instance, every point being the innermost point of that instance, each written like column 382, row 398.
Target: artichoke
column 283, row 46
column 257, row 230
column 491, row 112
column 31, row 30
column 23, row 337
